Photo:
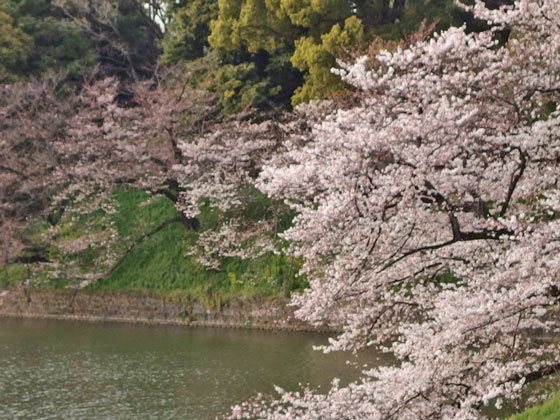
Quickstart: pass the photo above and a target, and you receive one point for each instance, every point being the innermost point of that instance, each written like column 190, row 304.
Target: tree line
column 251, row 54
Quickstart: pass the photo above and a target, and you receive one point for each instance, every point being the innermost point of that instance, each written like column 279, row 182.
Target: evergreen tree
column 316, row 32
column 187, row 33
column 36, row 39
column 70, row 37
column 15, row 48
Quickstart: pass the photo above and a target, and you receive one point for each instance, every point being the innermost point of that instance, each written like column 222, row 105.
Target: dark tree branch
column 516, row 176
column 11, row 170
column 536, row 374
column 458, row 236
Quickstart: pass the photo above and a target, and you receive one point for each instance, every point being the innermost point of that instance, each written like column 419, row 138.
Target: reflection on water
column 65, row 370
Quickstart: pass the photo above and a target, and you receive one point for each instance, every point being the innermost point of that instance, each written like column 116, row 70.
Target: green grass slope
column 149, row 253
column 549, row 410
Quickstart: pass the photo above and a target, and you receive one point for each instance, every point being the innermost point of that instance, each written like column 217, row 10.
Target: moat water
column 65, row 370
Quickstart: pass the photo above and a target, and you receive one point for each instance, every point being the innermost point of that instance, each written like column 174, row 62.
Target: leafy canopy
column 316, row 32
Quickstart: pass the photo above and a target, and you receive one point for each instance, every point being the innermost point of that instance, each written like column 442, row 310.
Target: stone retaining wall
column 130, row 308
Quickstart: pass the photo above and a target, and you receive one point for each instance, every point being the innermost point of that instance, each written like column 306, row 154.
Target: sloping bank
column 145, row 309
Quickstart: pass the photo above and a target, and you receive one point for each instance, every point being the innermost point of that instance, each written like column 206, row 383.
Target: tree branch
column 515, row 177
column 11, row 170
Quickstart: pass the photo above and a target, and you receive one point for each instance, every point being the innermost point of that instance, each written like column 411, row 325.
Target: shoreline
column 142, row 309
column 175, row 323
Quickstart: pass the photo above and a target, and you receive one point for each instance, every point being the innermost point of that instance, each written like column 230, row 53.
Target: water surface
column 66, row 370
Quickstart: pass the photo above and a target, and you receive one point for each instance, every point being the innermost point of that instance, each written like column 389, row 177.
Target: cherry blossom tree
column 67, row 152
column 428, row 219
column 119, row 136
column 219, row 172
column 28, row 156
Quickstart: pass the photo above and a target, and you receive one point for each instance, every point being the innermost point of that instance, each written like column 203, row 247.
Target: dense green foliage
column 35, row 38
column 317, row 32
column 270, row 54
column 39, row 36
column 241, row 78
column 15, row 48
column 258, row 80
column 187, row 33
column 251, row 53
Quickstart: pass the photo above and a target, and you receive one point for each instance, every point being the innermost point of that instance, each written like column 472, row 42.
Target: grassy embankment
column 147, row 258
column 549, row 410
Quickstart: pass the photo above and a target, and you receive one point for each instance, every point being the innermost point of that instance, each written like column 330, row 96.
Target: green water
column 65, row 370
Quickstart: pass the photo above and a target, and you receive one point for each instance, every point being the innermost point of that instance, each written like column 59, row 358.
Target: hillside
column 151, row 255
